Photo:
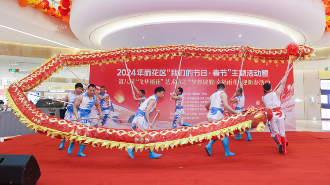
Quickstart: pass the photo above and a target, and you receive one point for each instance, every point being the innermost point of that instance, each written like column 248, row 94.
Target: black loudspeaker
column 62, row 113
column 19, row 169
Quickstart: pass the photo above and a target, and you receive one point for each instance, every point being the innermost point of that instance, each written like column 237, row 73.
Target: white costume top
column 105, row 103
column 86, row 103
column 140, row 102
column 140, row 119
column 179, row 103
column 69, row 112
column 71, row 99
column 240, row 102
column 216, row 107
column 271, row 101
column 216, row 100
column 144, row 105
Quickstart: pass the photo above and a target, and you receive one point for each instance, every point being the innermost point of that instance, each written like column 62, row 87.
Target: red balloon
column 23, row 3
column 66, row 3
column 65, row 12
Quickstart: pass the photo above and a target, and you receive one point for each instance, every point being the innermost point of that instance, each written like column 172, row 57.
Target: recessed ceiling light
column 142, row 37
column 239, row 35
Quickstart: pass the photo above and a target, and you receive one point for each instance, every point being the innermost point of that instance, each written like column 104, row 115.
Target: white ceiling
column 93, row 22
column 210, row 34
column 27, row 25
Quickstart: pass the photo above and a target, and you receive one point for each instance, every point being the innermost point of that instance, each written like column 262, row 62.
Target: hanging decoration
column 127, row 138
column 63, row 11
column 327, row 14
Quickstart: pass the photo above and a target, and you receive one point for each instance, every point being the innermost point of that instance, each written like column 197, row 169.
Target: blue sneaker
column 134, row 127
column 174, row 127
column 153, row 155
column 62, row 144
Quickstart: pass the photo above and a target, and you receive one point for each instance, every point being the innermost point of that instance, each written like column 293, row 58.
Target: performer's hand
column 150, row 125
column 97, row 92
column 158, row 111
column 132, row 82
column 101, row 116
column 78, row 120
column 287, row 73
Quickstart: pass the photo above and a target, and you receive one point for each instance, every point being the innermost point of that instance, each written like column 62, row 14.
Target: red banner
column 199, row 78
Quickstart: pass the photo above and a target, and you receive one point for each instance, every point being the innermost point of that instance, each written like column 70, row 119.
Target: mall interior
column 32, row 32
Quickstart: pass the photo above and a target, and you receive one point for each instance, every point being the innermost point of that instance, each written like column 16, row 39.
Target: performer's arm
column 233, row 99
column 174, row 97
column 282, row 85
column 98, row 107
column 76, row 105
column 151, row 103
column 157, row 110
column 225, row 103
column 135, row 88
column 177, row 84
column 102, row 97
column 138, row 99
column 66, row 99
column 208, row 104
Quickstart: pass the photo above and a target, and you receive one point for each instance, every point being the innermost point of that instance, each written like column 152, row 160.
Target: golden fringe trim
column 73, row 136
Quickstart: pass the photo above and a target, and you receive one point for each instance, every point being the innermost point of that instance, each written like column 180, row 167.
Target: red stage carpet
column 256, row 162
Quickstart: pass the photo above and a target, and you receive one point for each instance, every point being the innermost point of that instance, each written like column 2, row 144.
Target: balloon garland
column 63, row 11
column 127, row 138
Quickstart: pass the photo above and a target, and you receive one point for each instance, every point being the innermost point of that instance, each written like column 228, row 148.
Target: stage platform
column 255, row 162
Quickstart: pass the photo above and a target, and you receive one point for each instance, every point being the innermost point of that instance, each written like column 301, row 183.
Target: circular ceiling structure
column 103, row 24
column 210, row 34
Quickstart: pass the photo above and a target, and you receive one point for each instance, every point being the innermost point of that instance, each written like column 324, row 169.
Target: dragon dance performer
column 179, row 102
column 215, row 105
column 105, row 105
column 239, row 100
column 71, row 98
column 272, row 100
column 141, row 94
column 142, row 119
column 82, row 110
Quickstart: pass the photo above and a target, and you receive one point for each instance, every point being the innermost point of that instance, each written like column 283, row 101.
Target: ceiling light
column 37, row 37
column 239, row 35
column 142, row 37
